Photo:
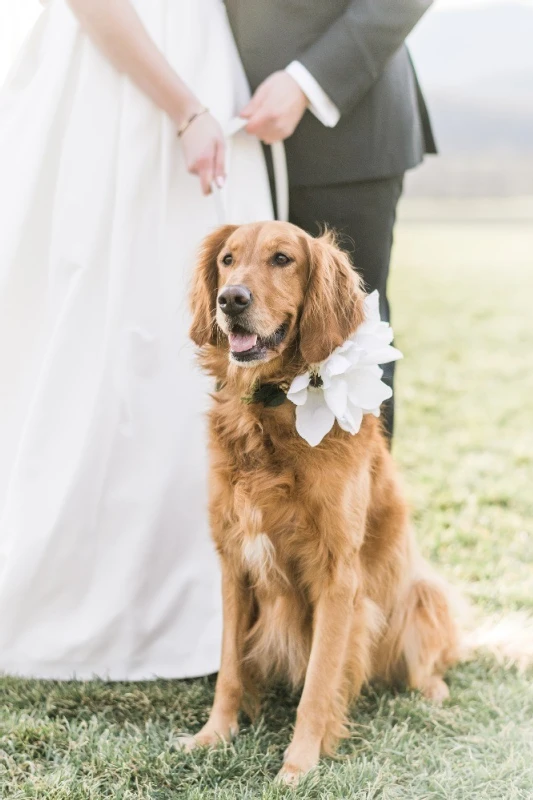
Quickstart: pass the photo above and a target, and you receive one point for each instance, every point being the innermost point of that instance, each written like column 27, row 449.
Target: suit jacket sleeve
column 354, row 50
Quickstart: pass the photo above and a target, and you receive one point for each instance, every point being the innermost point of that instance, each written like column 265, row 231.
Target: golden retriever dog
column 323, row 584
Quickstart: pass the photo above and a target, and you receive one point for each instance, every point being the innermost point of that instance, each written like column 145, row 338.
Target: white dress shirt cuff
column 320, row 104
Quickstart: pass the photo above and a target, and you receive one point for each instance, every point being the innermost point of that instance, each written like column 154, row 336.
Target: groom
column 334, row 79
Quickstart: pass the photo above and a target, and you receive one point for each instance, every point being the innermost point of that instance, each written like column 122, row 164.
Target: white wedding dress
column 106, row 565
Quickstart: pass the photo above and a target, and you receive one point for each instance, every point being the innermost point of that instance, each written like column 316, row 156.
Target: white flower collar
column 348, row 383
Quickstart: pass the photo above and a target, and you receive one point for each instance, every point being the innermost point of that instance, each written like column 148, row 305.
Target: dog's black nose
column 233, row 300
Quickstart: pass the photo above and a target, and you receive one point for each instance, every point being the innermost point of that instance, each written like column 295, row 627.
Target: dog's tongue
column 240, row 342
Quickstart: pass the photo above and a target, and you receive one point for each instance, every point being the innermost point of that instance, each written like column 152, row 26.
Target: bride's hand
column 117, row 30
column 204, row 149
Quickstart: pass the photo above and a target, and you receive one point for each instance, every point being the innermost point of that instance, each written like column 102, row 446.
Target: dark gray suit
column 350, row 176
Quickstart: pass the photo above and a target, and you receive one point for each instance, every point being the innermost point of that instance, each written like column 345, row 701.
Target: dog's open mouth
column 247, row 346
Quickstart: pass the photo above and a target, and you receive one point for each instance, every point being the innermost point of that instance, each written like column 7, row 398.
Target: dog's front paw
column 297, row 764
column 186, row 743
column 290, row 774
column 436, row 690
column 209, row 736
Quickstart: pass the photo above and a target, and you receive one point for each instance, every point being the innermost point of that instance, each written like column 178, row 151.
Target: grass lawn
column 462, row 292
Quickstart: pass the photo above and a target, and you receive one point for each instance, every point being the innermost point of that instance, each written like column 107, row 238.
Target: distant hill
column 476, row 67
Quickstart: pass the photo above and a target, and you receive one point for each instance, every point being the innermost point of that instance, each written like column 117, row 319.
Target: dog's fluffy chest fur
column 266, row 527
column 271, row 489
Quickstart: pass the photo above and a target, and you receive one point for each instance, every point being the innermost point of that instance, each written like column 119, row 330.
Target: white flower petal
column 336, row 364
column 336, row 396
column 347, row 345
column 370, row 340
column 383, row 355
column 372, row 305
column 300, row 382
column 298, row 398
column 351, row 420
column 374, row 369
column 314, row 419
column 367, row 390
column 365, row 328
column 354, row 355
column 346, row 425
column 394, row 354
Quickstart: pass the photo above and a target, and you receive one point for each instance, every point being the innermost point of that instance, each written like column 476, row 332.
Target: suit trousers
column 363, row 214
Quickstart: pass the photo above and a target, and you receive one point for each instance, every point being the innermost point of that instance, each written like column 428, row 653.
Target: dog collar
column 270, row 395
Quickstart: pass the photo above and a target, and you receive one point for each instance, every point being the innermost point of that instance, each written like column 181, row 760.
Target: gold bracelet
column 190, row 121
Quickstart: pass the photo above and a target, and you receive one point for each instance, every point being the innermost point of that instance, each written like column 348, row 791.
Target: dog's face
column 261, row 281
column 267, row 285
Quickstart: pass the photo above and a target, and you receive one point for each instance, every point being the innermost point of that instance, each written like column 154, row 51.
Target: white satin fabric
column 106, row 565
column 16, row 19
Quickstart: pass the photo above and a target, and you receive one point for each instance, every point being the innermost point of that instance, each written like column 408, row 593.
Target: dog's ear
column 203, row 299
column 333, row 305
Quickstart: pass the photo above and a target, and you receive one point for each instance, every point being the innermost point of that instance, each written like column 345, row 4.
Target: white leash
column 281, row 179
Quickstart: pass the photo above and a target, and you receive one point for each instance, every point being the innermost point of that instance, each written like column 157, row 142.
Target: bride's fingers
column 205, row 173
column 259, row 125
column 258, row 99
column 252, row 106
column 220, row 164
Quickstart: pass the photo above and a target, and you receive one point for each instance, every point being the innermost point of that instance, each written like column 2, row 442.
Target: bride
column 111, row 135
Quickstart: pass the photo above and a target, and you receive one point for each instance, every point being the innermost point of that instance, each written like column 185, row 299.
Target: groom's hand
column 275, row 109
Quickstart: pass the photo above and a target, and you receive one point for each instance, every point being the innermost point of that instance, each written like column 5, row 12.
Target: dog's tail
column 507, row 637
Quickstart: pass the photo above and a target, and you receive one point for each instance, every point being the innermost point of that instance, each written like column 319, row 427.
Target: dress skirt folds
column 106, row 565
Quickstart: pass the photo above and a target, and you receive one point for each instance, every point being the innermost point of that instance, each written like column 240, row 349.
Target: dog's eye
column 281, row 260
column 228, row 260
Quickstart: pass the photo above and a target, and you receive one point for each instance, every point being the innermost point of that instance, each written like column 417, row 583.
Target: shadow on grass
column 181, row 703
column 123, row 735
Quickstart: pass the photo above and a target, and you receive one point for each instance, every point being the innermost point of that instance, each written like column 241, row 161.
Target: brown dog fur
column 322, row 580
